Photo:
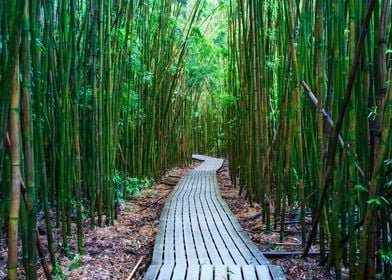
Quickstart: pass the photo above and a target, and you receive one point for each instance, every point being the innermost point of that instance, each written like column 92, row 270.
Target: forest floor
column 112, row 252
column 294, row 267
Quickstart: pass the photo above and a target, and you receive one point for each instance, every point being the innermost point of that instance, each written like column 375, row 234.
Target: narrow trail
column 199, row 237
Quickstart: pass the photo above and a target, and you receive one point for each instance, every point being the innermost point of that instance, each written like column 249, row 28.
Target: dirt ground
column 112, row 252
column 294, row 267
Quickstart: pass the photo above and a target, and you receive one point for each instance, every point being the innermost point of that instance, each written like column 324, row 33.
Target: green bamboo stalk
column 15, row 140
column 28, row 150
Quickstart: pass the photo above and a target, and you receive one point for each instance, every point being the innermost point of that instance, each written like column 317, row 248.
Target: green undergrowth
column 125, row 186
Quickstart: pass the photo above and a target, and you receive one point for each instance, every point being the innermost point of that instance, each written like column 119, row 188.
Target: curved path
column 199, row 238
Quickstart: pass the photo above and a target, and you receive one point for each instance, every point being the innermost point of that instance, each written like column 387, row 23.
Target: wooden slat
column 220, row 272
column 232, row 241
column 249, row 272
column 188, row 233
column 207, row 272
column 152, row 272
column 200, row 248
column 160, row 236
column 219, row 243
column 234, row 272
column 169, row 243
column 169, row 234
column 276, row 272
column 180, row 258
column 193, row 272
column 166, row 271
column 251, row 253
column 179, row 271
column 263, row 272
column 241, row 233
column 207, row 237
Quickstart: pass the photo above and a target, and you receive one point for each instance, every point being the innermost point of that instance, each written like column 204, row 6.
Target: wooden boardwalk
column 199, row 237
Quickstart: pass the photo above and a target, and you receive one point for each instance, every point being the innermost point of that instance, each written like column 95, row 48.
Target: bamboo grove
column 91, row 91
column 296, row 93
column 311, row 82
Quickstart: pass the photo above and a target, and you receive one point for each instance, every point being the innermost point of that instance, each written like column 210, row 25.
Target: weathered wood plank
column 169, row 242
column 263, row 272
column 166, row 271
column 200, row 247
column 180, row 267
column 178, row 227
column 188, row 232
column 241, row 233
column 193, row 272
column 233, row 243
column 276, row 272
column 207, row 272
column 217, row 239
column 179, row 271
column 234, row 272
column 160, row 236
column 207, row 237
column 249, row 272
column 169, row 245
column 250, row 252
column 220, row 272
column 152, row 272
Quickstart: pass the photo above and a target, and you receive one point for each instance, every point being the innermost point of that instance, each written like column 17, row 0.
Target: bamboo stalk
column 336, row 131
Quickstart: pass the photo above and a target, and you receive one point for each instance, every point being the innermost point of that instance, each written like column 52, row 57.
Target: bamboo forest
column 195, row 139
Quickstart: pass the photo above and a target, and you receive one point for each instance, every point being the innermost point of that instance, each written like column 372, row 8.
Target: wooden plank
column 234, row 272
column 180, row 258
column 276, row 272
column 193, row 272
column 181, row 263
column 169, row 242
column 223, row 229
column 200, row 248
column 249, row 272
column 179, row 271
column 241, row 233
column 263, row 272
column 207, row 272
column 252, row 255
column 216, row 238
column 188, row 233
column 152, row 272
column 160, row 236
column 166, row 271
column 168, row 245
column 220, row 272
column 206, row 235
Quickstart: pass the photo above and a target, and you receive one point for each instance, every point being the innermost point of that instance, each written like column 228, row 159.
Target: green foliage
column 361, row 188
column 378, row 201
column 129, row 186
column 373, row 113
column 386, row 256
column 58, row 271
column 76, row 262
